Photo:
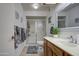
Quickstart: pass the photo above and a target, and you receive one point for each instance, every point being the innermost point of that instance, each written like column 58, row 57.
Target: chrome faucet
column 73, row 40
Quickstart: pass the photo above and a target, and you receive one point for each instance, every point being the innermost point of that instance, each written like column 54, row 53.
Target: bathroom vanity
column 59, row 47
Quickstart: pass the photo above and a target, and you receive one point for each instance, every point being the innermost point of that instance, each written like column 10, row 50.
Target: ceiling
column 43, row 7
column 71, row 6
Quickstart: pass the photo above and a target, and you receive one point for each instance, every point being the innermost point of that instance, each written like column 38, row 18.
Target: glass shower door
column 32, row 33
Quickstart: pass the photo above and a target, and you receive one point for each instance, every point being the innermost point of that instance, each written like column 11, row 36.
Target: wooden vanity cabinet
column 49, row 53
column 67, row 54
column 52, row 50
column 47, row 50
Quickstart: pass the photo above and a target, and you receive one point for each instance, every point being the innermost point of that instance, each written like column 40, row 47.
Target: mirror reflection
column 69, row 17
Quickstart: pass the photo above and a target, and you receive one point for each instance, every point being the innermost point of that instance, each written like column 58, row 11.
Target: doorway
column 37, row 30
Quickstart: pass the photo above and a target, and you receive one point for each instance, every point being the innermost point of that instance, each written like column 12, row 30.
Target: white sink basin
column 68, row 44
column 65, row 42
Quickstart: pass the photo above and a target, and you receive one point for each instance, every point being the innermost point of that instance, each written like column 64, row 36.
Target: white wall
column 7, row 21
column 6, row 29
column 19, row 9
column 52, row 13
column 48, row 25
column 36, row 13
column 23, row 24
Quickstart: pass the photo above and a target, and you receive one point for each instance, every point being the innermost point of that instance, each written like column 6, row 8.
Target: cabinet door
column 57, row 51
column 49, row 52
column 45, row 47
column 54, row 54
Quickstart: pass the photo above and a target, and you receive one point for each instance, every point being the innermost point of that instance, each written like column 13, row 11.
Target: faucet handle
column 69, row 37
column 75, row 41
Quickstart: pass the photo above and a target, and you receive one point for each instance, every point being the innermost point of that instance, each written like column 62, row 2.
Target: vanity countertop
column 60, row 42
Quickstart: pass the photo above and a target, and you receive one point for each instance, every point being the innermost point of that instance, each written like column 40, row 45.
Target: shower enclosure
column 36, row 31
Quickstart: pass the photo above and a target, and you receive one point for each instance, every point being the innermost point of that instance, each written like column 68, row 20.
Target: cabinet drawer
column 58, row 51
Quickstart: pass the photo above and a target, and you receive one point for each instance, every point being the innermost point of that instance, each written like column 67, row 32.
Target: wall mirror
column 69, row 16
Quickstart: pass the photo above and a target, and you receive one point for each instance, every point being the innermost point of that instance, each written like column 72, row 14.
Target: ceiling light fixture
column 35, row 6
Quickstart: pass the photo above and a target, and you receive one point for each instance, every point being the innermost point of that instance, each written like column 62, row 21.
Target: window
column 61, row 21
